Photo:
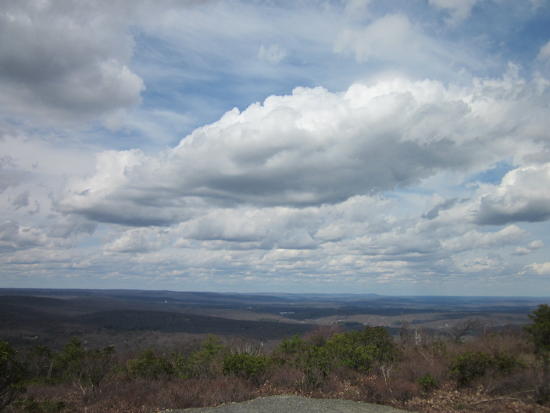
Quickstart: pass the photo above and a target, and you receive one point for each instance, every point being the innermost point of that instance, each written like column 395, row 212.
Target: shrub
column 469, row 366
column 316, row 363
column 40, row 363
column 86, row 368
column 360, row 349
column 245, row 365
column 539, row 331
column 205, row 362
column 356, row 350
column 11, row 375
column 348, row 350
column 505, row 363
column 149, row 366
column 292, row 351
column 428, row 383
column 291, row 346
column 313, row 360
column 472, row 365
column 68, row 362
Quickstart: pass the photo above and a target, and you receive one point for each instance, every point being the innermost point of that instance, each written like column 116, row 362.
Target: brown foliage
column 123, row 396
column 401, row 383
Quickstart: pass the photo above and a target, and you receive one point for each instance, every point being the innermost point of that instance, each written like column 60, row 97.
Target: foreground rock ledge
column 290, row 404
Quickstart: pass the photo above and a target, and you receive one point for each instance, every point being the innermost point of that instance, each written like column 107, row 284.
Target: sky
column 394, row 147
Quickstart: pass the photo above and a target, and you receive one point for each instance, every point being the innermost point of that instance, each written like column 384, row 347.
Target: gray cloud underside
column 64, row 60
column 535, row 210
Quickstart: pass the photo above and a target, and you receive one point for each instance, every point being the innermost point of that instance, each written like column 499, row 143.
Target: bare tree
column 459, row 330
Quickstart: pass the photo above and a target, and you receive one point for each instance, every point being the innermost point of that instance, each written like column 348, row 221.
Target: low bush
column 360, row 350
column 428, row 383
column 149, row 366
column 245, row 365
column 12, row 374
column 469, row 366
column 292, row 346
column 360, row 365
column 207, row 361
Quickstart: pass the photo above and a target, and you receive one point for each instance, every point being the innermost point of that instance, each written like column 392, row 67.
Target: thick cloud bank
column 315, row 147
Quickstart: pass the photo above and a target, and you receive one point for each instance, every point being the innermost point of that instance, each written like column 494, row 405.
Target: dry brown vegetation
column 489, row 373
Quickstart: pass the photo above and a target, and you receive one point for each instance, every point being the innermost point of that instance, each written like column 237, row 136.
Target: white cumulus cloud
column 314, row 147
column 523, row 195
column 458, row 10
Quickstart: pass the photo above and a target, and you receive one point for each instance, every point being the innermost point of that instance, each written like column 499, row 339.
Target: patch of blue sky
column 120, row 139
column 416, row 8
column 529, row 38
column 180, row 78
column 185, row 82
column 515, row 33
column 493, row 175
column 538, row 230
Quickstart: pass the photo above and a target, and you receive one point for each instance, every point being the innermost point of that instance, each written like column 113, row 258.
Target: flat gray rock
column 290, row 404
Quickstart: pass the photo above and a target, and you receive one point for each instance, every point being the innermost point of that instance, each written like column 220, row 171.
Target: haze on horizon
column 395, row 147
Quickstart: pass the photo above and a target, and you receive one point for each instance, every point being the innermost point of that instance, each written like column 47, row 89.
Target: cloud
column 262, row 228
column 14, row 236
column 538, row 269
column 138, row 240
column 33, row 173
column 544, row 52
column 10, row 175
column 443, row 206
column 522, row 196
column 475, row 239
column 313, row 147
column 381, row 177
column 389, row 37
column 71, row 226
column 395, row 42
column 532, row 246
column 272, row 54
column 64, row 59
column 357, row 7
column 93, row 197
column 292, row 150
column 21, row 200
column 459, row 10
